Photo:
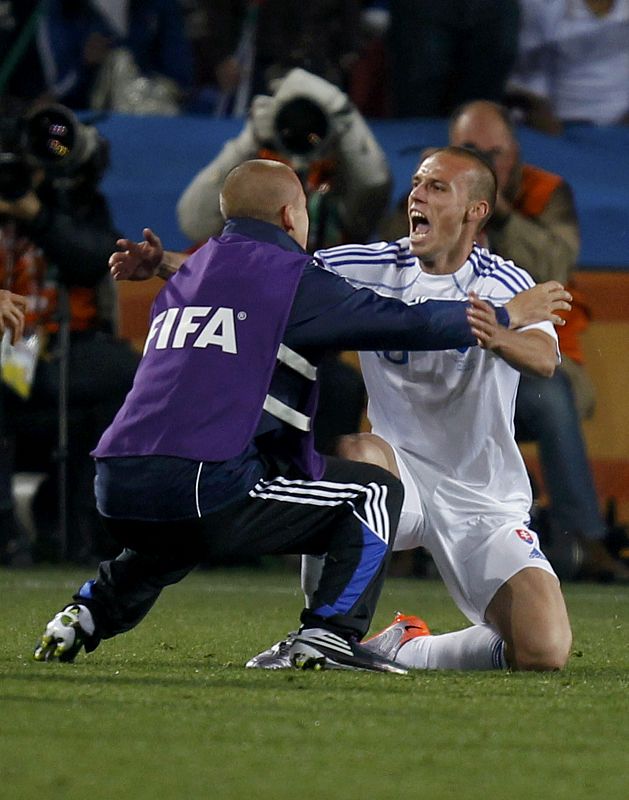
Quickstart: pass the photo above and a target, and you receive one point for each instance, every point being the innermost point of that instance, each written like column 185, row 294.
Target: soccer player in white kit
column 444, row 423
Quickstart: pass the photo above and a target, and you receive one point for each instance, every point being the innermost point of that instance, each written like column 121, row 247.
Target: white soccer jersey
column 449, row 413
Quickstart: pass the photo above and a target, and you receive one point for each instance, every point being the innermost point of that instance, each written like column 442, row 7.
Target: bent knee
column 368, row 448
column 543, row 656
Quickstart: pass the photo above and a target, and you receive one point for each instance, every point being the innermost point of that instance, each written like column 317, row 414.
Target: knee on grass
column 544, row 655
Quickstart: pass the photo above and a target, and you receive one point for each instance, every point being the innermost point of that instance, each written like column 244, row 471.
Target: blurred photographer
column 56, row 234
column 311, row 125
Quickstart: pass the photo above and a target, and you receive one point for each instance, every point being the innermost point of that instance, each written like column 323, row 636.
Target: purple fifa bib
column 209, row 357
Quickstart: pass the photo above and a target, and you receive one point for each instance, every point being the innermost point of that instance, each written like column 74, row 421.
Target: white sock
column 311, row 569
column 475, row 648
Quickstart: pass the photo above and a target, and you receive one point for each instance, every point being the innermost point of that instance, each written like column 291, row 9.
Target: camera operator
column 56, row 235
column 311, row 125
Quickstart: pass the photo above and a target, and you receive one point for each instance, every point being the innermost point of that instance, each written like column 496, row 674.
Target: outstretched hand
column 137, row 261
column 12, row 310
column 539, row 304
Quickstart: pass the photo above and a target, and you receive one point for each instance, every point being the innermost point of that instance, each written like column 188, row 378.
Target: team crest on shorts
column 525, row 535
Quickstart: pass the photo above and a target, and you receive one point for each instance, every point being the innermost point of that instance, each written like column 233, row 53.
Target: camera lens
column 301, row 126
column 51, row 135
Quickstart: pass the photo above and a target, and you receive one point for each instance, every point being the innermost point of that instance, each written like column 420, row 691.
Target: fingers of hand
column 555, row 306
column 482, row 339
column 478, row 306
column 557, row 303
column 19, row 300
column 126, row 245
column 483, row 314
column 150, row 237
column 559, row 295
column 481, row 328
column 13, row 319
column 18, row 329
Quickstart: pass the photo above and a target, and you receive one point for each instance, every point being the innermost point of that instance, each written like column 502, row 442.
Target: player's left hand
column 485, row 327
column 137, row 261
column 539, row 304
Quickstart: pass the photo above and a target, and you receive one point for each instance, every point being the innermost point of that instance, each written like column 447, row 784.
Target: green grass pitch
column 168, row 711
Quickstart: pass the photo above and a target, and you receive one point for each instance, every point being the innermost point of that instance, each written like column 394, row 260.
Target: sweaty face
column 487, row 133
column 437, row 206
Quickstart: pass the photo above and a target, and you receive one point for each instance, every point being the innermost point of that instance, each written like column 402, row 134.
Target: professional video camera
column 303, row 118
column 49, row 138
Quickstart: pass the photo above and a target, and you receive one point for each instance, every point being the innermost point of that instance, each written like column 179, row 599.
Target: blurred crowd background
column 555, row 62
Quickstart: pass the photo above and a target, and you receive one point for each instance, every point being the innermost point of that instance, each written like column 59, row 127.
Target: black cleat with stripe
column 317, row 648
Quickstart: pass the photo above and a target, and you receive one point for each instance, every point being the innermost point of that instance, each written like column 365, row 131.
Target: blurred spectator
column 447, row 52
column 241, row 46
column 573, row 63
column 370, row 74
column 535, row 225
column 80, row 39
column 56, row 236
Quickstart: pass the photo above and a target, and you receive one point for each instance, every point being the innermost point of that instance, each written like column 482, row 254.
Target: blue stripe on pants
column 373, row 554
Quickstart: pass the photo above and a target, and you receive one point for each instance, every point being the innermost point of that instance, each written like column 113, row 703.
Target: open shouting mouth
column 420, row 225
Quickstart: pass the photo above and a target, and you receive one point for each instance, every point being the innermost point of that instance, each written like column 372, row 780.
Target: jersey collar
column 262, row 232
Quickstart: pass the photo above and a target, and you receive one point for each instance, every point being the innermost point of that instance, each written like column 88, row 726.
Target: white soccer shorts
column 474, row 553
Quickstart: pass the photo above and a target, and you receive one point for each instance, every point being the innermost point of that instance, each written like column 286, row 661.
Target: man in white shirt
column 573, row 63
column 444, row 423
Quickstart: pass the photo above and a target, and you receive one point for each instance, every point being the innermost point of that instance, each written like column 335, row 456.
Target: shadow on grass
column 335, row 681
column 231, row 677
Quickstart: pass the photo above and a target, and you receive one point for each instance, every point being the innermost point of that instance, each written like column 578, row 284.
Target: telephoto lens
column 57, row 140
column 301, row 126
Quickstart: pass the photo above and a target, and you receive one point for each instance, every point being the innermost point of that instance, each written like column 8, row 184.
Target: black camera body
column 49, row 138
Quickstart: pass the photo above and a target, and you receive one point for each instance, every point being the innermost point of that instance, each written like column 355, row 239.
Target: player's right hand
column 539, row 304
column 137, row 261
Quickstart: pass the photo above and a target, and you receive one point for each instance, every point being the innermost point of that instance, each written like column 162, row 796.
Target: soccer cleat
column 317, row 648
column 388, row 642
column 275, row 657
column 65, row 634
